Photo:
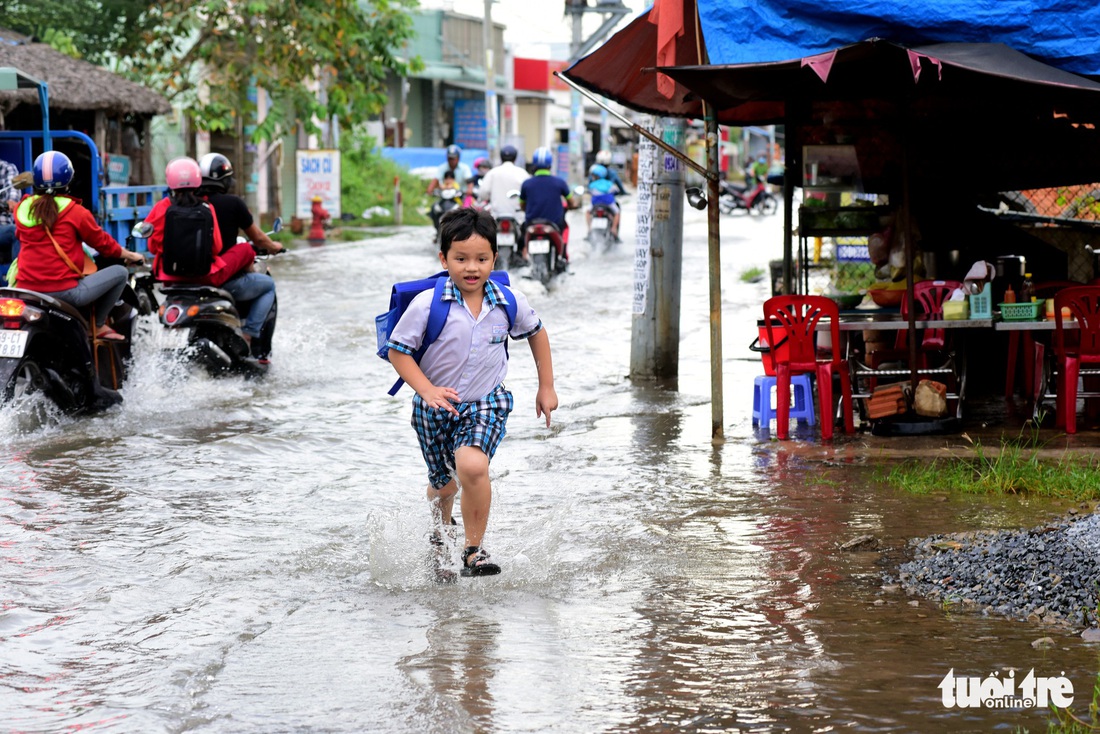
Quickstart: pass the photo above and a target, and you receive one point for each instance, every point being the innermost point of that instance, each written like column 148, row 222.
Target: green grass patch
column 752, row 275
column 1013, row 469
column 352, row 234
column 367, row 182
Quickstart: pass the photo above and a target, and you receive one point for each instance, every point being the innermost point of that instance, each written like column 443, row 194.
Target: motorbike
column 203, row 322
column 754, row 200
column 599, row 233
column 143, row 287
column 46, row 346
column 545, row 247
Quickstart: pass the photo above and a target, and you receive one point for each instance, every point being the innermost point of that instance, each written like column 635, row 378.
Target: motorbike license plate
column 538, row 247
column 174, row 339
column 600, row 223
column 506, row 238
column 12, row 343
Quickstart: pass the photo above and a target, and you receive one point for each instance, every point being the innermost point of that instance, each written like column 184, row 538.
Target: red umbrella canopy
column 615, row 69
column 622, row 69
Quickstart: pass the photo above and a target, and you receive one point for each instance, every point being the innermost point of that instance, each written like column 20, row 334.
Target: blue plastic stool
column 801, row 389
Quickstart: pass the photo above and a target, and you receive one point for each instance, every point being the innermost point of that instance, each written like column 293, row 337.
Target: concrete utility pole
column 577, row 174
column 491, row 130
column 612, row 11
column 658, row 261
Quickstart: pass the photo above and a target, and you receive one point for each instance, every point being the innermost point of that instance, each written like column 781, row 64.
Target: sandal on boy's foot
column 475, row 562
column 436, row 536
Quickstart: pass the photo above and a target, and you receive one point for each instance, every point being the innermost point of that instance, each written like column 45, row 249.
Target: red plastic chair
column 1074, row 348
column 797, row 318
column 929, row 296
column 1023, row 343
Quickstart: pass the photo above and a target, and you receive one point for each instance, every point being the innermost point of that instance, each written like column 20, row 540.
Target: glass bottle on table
column 1027, row 290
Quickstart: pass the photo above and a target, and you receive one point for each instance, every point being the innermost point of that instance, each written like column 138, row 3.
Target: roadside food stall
column 938, row 135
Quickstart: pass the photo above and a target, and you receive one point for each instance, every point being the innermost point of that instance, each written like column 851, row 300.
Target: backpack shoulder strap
column 510, row 305
column 437, row 314
column 400, row 297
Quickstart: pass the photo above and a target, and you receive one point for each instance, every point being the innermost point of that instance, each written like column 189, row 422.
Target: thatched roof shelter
column 74, row 84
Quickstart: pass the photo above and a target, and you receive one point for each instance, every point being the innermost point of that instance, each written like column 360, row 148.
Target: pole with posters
column 658, row 256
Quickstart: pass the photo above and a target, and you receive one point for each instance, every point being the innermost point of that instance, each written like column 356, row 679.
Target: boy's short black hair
column 461, row 223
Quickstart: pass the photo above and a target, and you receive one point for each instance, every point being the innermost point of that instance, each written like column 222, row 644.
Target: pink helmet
column 183, row 173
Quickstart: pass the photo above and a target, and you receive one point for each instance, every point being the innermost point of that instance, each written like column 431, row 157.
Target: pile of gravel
column 1048, row 574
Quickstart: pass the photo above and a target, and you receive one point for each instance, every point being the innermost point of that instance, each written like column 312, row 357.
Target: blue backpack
column 403, row 294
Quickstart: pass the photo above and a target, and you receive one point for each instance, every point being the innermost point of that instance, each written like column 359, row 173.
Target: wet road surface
column 235, row 556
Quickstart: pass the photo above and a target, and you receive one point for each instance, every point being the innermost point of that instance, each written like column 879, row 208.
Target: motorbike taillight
column 505, row 226
column 172, row 314
column 11, row 311
column 12, row 308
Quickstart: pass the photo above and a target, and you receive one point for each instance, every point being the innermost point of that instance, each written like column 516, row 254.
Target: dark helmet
column 542, row 158
column 508, row 153
column 216, row 170
column 453, row 151
column 53, row 171
column 215, row 166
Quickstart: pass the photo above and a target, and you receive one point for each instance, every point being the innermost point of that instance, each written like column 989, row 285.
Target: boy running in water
column 461, row 405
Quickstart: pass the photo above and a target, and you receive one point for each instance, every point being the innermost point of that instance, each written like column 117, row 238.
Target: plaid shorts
column 479, row 423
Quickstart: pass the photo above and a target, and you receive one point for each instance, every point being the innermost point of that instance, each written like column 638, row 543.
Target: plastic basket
column 760, row 344
column 981, row 304
column 956, row 310
column 1021, row 311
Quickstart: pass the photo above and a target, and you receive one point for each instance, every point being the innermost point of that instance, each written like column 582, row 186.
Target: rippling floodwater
column 236, row 556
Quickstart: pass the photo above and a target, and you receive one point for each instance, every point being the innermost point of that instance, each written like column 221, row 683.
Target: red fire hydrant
column 317, row 227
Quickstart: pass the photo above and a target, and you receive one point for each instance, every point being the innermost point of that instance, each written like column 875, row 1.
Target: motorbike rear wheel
column 542, row 267
column 504, row 257
column 27, row 379
column 765, row 204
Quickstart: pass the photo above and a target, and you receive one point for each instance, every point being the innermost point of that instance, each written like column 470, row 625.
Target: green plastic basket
column 1021, row 311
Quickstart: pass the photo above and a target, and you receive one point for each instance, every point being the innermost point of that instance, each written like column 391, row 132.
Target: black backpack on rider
column 188, row 240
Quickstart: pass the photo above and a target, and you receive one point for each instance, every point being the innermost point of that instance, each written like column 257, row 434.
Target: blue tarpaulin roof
column 1062, row 33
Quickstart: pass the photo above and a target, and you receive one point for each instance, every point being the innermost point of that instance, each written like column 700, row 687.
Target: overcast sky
column 533, row 25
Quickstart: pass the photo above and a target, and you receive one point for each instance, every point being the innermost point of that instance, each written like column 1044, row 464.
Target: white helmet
column 604, row 157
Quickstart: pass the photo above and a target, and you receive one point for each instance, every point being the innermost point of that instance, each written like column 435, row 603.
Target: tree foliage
column 317, row 59
column 88, row 29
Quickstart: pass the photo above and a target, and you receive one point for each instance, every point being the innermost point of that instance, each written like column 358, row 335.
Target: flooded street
column 250, row 556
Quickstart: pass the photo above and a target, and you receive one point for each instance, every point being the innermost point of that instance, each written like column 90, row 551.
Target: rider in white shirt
column 496, row 184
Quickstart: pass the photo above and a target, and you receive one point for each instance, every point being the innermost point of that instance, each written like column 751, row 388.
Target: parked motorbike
column 203, row 322
column 753, row 200
column 46, row 346
column 545, row 248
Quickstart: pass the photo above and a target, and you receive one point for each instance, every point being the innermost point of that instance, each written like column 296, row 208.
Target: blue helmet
column 53, row 171
column 509, row 153
column 542, row 158
column 453, row 151
column 598, row 171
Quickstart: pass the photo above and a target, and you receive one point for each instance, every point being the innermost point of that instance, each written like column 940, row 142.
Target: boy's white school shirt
column 469, row 354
